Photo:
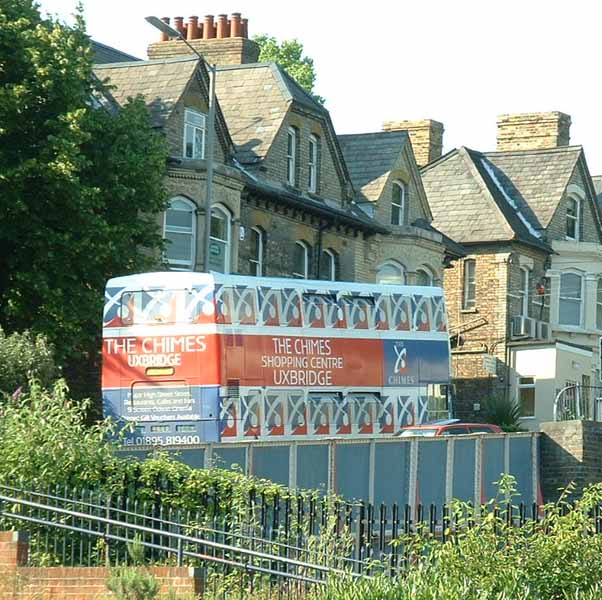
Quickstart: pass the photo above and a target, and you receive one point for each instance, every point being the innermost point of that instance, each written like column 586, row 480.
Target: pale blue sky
column 461, row 62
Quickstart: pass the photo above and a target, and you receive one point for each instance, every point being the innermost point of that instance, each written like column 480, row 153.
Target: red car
column 448, row 428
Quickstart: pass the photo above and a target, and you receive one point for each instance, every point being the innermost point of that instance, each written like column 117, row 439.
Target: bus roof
column 188, row 279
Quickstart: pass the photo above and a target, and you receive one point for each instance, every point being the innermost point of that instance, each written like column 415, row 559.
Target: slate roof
column 370, row 157
column 105, row 54
column 474, row 197
column 255, row 98
column 160, row 82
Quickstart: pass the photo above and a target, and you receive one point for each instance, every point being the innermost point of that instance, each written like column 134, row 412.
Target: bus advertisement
column 194, row 357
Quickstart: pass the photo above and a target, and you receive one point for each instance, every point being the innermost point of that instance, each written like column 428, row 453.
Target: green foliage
column 44, row 441
column 24, row 356
column 135, row 583
column 80, row 188
column 289, row 55
column 502, row 411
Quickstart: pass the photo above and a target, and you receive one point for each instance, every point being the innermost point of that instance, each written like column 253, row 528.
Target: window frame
column 401, row 206
column 332, row 264
column 175, row 264
column 429, row 276
column 219, row 208
column 468, row 302
column 306, row 259
column 187, row 126
column 599, row 304
column 258, row 259
column 395, row 265
column 565, row 299
column 312, row 163
column 526, row 386
column 524, row 291
column 575, row 219
column 291, row 156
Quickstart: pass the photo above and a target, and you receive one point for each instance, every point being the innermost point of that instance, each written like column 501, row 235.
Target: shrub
column 502, row 411
column 24, row 356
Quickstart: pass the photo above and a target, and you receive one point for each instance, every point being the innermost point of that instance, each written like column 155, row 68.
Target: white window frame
column 218, row 208
column 526, row 386
column 574, row 219
column 565, row 298
column 524, row 291
column 468, row 283
column 329, row 255
column 291, row 156
column 395, row 265
column 258, row 261
column 306, row 250
column 189, row 126
column 599, row 304
column 180, row 265
column 312, row 163
column 402, row 203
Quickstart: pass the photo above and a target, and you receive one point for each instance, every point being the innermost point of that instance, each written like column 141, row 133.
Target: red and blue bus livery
column 195, row 357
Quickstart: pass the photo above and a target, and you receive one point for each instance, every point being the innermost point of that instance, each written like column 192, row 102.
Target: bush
column 24, row 356
column 502, row 411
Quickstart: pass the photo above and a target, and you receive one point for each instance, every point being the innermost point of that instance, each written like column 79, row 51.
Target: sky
column 460, row 62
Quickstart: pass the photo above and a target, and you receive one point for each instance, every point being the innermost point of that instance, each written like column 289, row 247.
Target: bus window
column 321, row 405
column 313, row 310
column 365, row 407
column 438, row 312
column 400, row 313
column 297, row 412
column 421, row 309
column 437, row 402
column 342, row 415
column 381, row 312
column 359, row 311
column 151, row 306
column 291, row 308
column 224, row 304
column 269, row 306
column 244, row 305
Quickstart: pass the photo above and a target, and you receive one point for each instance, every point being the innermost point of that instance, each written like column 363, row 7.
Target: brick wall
column 18, row 581
column 533, row 131
column 227, row 51
column 426, row 136
column 570, row 452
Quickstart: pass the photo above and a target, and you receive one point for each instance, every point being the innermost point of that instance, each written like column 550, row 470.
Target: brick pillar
column 14, row 549
column 533, row 131
column 426, row 137
column 571, row 451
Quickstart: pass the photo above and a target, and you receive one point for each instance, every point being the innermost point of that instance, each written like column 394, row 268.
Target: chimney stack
column 426, row 137
column 533, row 131
column 222, row 42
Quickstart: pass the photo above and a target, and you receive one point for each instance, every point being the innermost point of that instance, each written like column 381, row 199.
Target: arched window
column 179, row 230
column 302, row 260
column 469, row 288
column 220, row 239
column 256, row 251
column 194, row 134
column 571, row 299
column 524, row 291
column 313, row 163
column 329, row 265
column 291, row 156
column 398, row 203
column 573, row 211
column 391, row 273
column 599, row 305
column 424, row 277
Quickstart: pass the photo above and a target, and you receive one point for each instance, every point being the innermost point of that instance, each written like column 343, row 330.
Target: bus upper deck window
column 151, row 306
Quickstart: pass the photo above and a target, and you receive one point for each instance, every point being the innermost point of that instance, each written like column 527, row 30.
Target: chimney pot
column 164, row 36
column 222, row 26
column 192, row 31
column 245, row 28
column 178, row 23
column 235, row 25
column 208, row 28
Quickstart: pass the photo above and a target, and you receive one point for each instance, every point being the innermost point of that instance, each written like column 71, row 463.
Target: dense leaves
column 289, row 55
column 81, row 184
column 24, row 356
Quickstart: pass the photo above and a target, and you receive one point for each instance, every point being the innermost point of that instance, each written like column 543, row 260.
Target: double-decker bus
column 195, row 357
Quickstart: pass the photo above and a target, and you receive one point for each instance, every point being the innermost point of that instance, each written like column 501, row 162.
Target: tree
column 289, row 55
column 80, row 186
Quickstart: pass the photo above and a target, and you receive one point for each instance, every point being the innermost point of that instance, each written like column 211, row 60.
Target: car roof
column 449, row 425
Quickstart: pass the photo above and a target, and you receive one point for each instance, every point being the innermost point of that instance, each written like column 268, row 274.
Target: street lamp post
column 174, row 33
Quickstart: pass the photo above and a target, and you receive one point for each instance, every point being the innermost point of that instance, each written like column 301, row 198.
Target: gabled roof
column 105, row 54
column 160, row 82
column 473, row 201
column 370, row 157
column 540, row 177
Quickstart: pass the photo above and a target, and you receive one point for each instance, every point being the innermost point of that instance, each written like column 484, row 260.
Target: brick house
column 289, row 197
column 525, row 304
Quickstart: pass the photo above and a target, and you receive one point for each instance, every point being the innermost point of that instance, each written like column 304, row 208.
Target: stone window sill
column 469, row 310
